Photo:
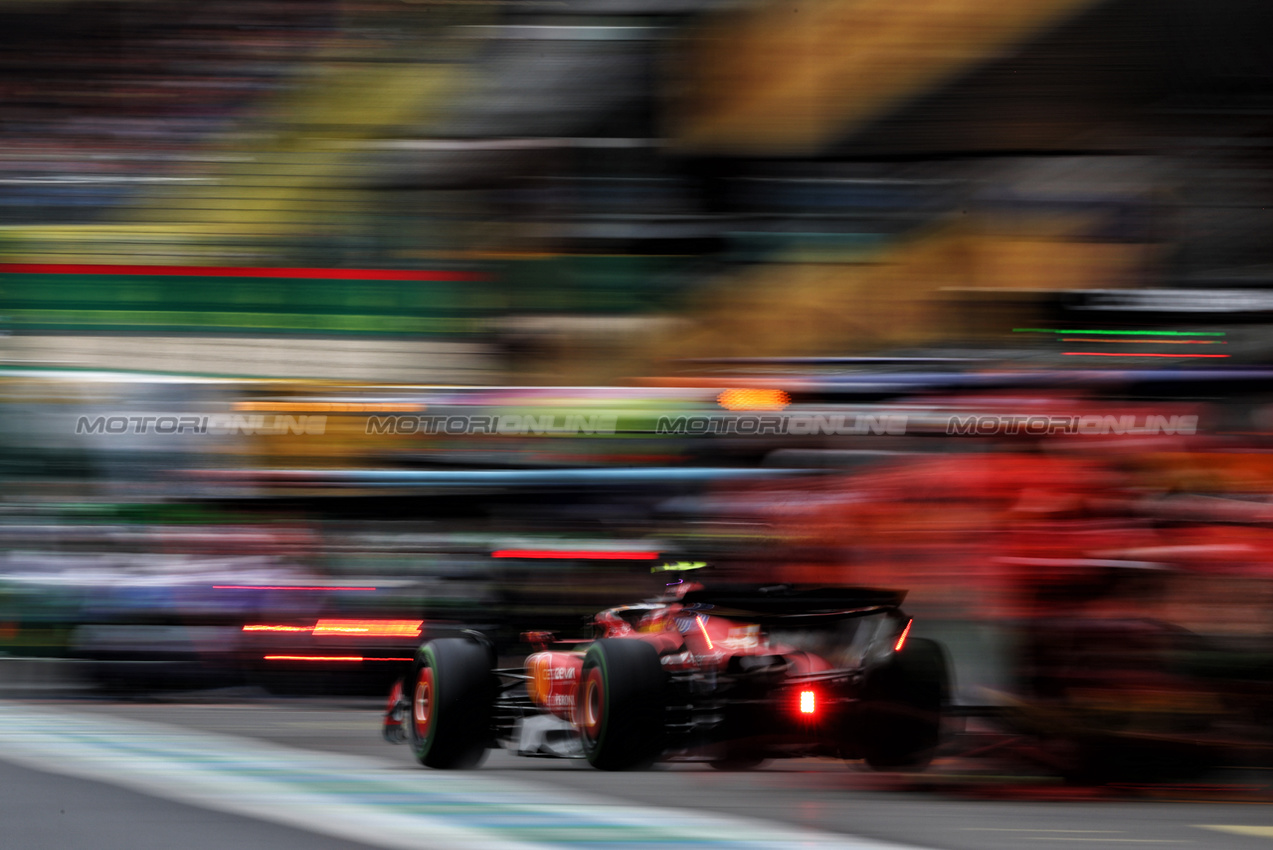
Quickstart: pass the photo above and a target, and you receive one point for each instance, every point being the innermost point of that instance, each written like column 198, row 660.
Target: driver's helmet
column 677, row 575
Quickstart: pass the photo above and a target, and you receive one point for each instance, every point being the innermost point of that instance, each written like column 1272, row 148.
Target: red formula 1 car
column 731, row 675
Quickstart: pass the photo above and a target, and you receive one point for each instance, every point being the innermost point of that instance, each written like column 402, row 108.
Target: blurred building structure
column 790, row 181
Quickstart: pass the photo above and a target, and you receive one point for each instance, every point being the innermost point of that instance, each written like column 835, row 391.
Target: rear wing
column 785, row 603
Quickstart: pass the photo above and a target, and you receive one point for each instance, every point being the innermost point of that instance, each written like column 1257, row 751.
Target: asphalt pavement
column 244, row 770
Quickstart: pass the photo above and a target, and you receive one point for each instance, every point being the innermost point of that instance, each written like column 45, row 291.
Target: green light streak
column 1117, row 333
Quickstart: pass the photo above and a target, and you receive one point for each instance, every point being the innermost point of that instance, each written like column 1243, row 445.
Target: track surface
column 218, row 771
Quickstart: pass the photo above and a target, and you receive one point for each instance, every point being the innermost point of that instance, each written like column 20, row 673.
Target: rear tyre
column 620, row 704
column 901, row 708
column 451, row 693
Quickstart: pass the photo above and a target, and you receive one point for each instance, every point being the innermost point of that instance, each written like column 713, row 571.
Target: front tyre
column 450, row 698
column 620, row 704
column 901, row 708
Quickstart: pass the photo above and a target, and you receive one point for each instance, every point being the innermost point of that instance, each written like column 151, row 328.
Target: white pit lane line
column 368, row 800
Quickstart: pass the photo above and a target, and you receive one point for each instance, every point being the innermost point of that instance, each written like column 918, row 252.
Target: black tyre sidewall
column 460, row 706
column 633, row 685
column 899, row 721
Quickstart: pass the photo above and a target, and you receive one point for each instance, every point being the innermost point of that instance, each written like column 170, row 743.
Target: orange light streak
column 901, row 641
column 702, row 627
column 753, row 399
column 369, row 628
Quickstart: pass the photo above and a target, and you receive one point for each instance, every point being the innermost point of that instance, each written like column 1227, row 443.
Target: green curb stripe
column 371, row 801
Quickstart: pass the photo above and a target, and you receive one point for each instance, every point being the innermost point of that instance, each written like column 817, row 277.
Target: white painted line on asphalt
column 368, row 800
column 1237, row 829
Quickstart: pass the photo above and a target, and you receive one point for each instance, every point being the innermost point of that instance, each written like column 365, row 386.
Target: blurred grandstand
column 707, row 176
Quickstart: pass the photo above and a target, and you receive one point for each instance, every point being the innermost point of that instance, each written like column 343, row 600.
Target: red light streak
column 282, row 587
column 702, row 627
column 565, row 554
column 1104, row 333
column 329, row 658
column 238, row 271
column 278, row 628
column 1148, row 341
column 901, row 641
column 326, row 406
column 1120, row 354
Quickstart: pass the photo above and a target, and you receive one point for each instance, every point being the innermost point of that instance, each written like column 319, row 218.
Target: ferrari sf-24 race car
column 729, row 675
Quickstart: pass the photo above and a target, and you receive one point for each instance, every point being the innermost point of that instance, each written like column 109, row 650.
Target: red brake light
column 808, row 702
column 901, row 640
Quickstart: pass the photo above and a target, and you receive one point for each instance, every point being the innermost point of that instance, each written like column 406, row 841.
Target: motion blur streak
column 370, row 628
column 326, row 407
column 286, row 587
column 330, row 658
column 216, row 271
column 1142, row 342
column 356, row 628
column 1116, row 333
column 1126, row 354
column 753, row 399
column 569, row 554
